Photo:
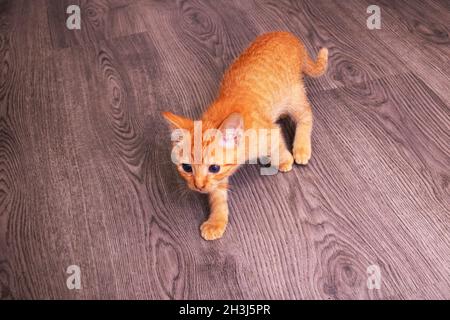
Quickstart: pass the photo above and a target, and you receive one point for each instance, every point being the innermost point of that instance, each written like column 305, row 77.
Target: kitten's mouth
column 200, row 190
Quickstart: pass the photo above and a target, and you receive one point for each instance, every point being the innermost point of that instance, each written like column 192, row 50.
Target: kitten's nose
column 199, row 184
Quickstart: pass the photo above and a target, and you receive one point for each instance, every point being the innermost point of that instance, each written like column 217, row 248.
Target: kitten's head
column 206, row 154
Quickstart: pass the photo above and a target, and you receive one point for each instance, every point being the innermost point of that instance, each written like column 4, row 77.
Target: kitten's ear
column 177, row 122
column 232, row 129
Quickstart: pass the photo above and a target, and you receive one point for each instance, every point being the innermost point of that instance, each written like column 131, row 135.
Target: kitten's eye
column 214, row 168
column 186, row 167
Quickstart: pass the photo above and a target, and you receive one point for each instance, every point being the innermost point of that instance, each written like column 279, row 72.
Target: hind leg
column 302, row 114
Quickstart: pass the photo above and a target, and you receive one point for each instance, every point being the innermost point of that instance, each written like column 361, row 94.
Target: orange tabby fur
column 264, row 83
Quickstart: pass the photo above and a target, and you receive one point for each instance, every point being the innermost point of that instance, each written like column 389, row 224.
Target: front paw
column 286, row 164
column 212, row 230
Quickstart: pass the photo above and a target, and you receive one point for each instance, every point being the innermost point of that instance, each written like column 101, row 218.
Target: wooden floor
column 86, row 177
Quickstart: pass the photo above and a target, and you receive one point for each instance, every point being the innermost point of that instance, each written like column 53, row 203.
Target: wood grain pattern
column 417, row 34
column 86, row 176
column 100, row 20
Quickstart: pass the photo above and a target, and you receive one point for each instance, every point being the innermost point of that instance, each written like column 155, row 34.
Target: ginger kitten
column 264, row 83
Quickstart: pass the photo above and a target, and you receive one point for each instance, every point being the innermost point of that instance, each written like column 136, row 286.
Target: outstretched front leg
column 215, row 226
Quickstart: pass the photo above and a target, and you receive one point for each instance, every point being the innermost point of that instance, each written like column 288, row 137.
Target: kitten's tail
column 318, row 67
